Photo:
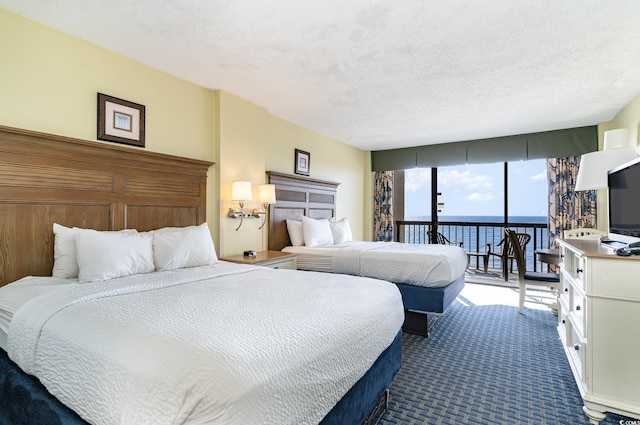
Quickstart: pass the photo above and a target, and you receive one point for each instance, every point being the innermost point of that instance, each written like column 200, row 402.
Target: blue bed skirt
column 356, row 404
column 25, row 401
column 430, row 300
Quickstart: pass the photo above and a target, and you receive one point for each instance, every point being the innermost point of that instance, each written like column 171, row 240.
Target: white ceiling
column 380, row 74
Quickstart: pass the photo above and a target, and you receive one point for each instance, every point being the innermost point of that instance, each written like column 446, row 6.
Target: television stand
column 598, row 315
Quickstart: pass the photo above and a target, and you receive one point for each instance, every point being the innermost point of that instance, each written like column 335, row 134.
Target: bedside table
column 273, row 259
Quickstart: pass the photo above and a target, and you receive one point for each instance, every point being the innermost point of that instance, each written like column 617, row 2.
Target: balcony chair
column 506, row 253
column 584, row 233
column 442, row 240
column 525, row 277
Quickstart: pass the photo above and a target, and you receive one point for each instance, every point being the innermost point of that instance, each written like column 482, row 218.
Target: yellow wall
column 252, row 142
column 241, row 131
column 329, row 160
column 49, row 82
column 629, row 118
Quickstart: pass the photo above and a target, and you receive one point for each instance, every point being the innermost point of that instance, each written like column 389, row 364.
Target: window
column 528, row 199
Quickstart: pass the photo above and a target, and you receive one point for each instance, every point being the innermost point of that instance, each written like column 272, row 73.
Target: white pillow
column 295, row 232
column 108, row 255
column 65, row 264
column 341, row 231
column 316, row 232
column 181, row 247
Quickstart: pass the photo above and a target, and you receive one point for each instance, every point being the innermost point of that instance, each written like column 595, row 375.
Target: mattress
column 253, row 344
column 26, row 401
column 413, row 264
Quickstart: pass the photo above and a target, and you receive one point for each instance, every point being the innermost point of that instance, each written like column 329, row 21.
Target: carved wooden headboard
column 298, row 196
column 46, row 179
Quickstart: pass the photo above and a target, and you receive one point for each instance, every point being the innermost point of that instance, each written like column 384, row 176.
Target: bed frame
column 299, row 196
column 46, row 179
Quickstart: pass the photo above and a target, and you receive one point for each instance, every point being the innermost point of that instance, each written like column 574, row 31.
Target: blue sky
column 477, row 189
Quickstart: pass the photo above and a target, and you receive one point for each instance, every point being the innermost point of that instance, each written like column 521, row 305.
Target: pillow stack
column 91, row 255
column 316, row 232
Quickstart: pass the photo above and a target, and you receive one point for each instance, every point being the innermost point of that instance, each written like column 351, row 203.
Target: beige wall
column 241, row 146
column 252, row 142
column 49, row 82
column 629, row 118
column 329, row 160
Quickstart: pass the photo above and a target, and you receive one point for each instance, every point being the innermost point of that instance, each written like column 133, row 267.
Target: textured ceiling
column 380, row 74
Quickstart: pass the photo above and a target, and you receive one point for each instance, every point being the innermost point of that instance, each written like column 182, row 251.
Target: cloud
column 467, row 178
column 539, row 176
column 480, row 197
column 417, row 178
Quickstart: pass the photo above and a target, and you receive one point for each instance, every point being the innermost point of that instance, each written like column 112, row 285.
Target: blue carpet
column 487, row 365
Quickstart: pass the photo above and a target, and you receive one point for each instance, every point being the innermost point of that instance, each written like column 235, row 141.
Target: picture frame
column 302, row 160
column 120, row 121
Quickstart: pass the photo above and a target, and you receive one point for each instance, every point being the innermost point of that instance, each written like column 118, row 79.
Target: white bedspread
column 413, row 264
column 14, row 296
column 225, row 344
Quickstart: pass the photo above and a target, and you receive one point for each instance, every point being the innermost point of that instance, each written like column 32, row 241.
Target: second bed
column 429, row 277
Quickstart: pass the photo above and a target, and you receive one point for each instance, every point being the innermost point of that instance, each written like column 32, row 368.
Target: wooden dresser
column 599, row 326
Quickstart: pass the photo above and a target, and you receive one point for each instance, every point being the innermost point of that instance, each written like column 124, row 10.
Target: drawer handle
column 564, row 321
column 566, row 289
column 576, row 347
column 578, row 308
column 578, row 270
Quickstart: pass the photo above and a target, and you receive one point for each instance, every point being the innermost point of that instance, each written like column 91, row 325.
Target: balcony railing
column 475, row 236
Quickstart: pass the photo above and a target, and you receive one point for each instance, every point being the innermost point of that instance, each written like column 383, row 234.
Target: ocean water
column 475, row 232
column 483, row 218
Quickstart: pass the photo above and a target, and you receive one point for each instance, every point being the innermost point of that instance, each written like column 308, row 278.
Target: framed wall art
column 120, row 121
column 302, row 162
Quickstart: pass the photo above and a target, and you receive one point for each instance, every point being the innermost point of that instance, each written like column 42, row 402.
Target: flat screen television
column 624, row 202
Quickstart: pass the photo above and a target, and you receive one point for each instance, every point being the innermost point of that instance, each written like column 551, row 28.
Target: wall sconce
column 266, row 196
column 592, row 173
column 240, row 193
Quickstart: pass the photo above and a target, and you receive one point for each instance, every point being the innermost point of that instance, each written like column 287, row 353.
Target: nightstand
column 273, row 259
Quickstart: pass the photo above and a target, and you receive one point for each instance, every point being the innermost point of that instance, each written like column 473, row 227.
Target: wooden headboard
column 46, row 179
column 298, row 196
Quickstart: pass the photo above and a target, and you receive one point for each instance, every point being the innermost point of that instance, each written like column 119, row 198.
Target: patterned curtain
column 568, row 209
column 383, row 206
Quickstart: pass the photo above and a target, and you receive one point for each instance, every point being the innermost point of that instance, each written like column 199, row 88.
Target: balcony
column 474, row 237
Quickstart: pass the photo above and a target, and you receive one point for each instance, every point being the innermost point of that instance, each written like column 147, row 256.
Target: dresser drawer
column 576, row 351
column 578, row 306
column 578, row 272
column 289, row 263
column 564, row 327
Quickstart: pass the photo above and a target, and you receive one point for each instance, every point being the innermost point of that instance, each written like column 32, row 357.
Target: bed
column 59, row 334
column 429, row 277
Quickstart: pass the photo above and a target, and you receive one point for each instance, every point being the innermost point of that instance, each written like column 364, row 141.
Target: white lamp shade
column 592, row 173
column 241, row 191
column 267, row 193
column 614, row 139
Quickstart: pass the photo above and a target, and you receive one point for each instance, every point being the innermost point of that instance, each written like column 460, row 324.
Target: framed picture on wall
column 302, row 162
column 120, row 121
